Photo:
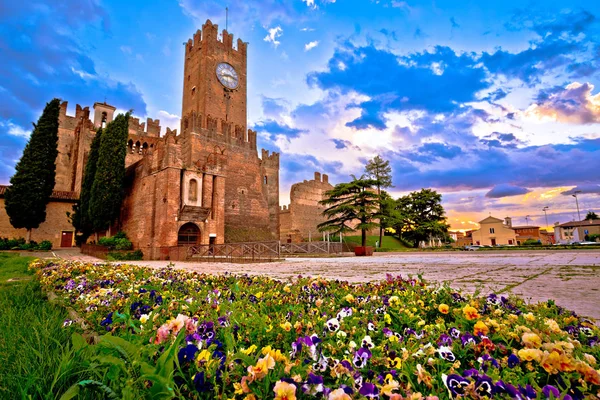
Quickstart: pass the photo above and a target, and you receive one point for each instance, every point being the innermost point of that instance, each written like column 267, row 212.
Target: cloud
column 583, row 189
column 501, row 140
column 436, row 81
column 275, row 128
column 506, row 190
column 172, row 121
column 273, row 35
column 564, row 41
column 453, row 23
column 311, row 45
column 274, row 108
column 574, row 103
column 46, row 60
column 243, row 14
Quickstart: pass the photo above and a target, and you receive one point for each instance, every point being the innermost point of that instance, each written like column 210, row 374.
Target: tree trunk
column 363, row 237
column 380, row 209
column 28, row 240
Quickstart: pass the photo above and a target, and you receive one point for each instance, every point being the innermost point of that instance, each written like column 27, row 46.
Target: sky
column 496, row 105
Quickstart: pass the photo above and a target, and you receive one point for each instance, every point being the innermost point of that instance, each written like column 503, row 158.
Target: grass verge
column 389, row 243
column 36, row 360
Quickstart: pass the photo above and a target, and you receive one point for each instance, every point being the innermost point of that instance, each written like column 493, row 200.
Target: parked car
column 587, row 243
column 473, row 247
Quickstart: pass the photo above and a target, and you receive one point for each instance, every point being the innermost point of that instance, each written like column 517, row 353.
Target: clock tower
column 214, row 83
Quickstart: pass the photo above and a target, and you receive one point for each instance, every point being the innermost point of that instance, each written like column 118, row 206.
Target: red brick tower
column 214, row 119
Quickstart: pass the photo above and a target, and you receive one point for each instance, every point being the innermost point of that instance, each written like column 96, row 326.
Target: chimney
column 508, row 222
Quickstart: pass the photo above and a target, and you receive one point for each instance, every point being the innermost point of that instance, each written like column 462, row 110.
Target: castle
column 204, row 185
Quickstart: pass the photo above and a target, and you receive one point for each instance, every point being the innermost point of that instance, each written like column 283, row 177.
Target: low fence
column 229, row 252
column 259, row 251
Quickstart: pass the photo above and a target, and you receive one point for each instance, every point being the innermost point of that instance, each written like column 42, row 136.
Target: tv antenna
column 226, row 18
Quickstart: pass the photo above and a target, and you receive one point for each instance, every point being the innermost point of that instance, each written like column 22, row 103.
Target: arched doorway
column 189, row 235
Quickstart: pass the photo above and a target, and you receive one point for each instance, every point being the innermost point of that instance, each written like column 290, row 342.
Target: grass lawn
column 34, row 347
column 390, row 243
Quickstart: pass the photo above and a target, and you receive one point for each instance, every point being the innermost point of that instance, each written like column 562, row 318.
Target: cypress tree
column 81, row 211
column 31, row 185
column 107, row 191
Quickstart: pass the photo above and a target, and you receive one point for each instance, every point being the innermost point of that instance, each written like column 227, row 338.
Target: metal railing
column 258, row 251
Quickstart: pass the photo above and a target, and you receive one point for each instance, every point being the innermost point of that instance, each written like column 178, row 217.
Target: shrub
column 125, row 255
column 9, row 244
column 45, row 245
column 116, row 242
column 594, row 237
column 532, row 242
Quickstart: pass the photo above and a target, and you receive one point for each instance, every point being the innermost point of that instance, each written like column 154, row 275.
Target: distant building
column 494, row 231
column 576, row 231
column 526, row 232
column 461, row 239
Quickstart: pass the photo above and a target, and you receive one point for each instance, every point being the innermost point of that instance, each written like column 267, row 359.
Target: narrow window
column 492, row 230
column 193, row 191
column 104, row 117
column 265, row 180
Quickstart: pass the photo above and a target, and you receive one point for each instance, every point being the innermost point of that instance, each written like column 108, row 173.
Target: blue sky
column 494, row 104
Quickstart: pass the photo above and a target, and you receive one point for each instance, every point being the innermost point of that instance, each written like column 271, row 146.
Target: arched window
column 189, row 234
column 138, row 146
column 193, row 190
column 104, row 117
column 130, row 145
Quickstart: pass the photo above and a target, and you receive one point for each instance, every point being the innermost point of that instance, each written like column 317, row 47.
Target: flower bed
column 224, row 336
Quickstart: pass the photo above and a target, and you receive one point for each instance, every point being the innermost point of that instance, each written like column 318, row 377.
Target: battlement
column 149, row 128
column 218, row 129
column 270, row 159
column 321, row 178
column 209, row 34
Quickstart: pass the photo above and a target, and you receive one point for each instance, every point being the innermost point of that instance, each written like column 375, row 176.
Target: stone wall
column 56, row 220
column 304, row 213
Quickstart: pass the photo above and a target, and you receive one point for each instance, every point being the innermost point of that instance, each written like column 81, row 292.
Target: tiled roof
column 591, row 222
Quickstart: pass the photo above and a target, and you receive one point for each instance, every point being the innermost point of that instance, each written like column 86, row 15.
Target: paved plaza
column 572, row 278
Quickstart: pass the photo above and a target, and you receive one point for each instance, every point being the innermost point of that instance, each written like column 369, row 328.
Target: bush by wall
column 125, row 255
column 20, row 244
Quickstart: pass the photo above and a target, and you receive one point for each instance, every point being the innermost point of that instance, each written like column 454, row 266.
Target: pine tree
column 381, row 172
column 107, row 191
column 33, row 181
column 350, row 202
column 80, row 218
column 424, row 216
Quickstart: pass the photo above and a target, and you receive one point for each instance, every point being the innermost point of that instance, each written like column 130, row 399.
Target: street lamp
column 527, row 220
column 545, row 209
column 577, row 202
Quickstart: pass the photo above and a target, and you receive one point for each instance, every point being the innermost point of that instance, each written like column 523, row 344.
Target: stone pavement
column 572, row 278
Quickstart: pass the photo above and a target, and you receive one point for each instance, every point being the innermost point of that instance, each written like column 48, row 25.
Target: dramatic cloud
column 42, row 59
column 574, row 103
column 436, row 81
column 274, row 128
column 583, row 189
column 506, row 190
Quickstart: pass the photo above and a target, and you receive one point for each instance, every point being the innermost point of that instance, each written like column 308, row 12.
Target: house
column 576, row 231
column 494, row 231
column 526, row 232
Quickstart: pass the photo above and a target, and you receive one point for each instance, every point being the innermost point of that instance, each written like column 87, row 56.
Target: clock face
column 227, row 75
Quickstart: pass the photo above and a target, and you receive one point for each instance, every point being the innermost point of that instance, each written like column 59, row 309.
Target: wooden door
column 66, row 239
column 493, row 242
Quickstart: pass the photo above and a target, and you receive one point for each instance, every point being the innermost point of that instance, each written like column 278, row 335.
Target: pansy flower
column 446, row 353
column 361, row 357
column 313, row 385
column 333, row 325
column 456, row 384
column 369, row 390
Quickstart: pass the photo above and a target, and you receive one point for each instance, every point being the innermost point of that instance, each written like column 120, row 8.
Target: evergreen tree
column 32, row 184
column 381, row 172
column 80, row 218
column 107, row 191
column 591, row 216
column 350, row 202
column 424, row 216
